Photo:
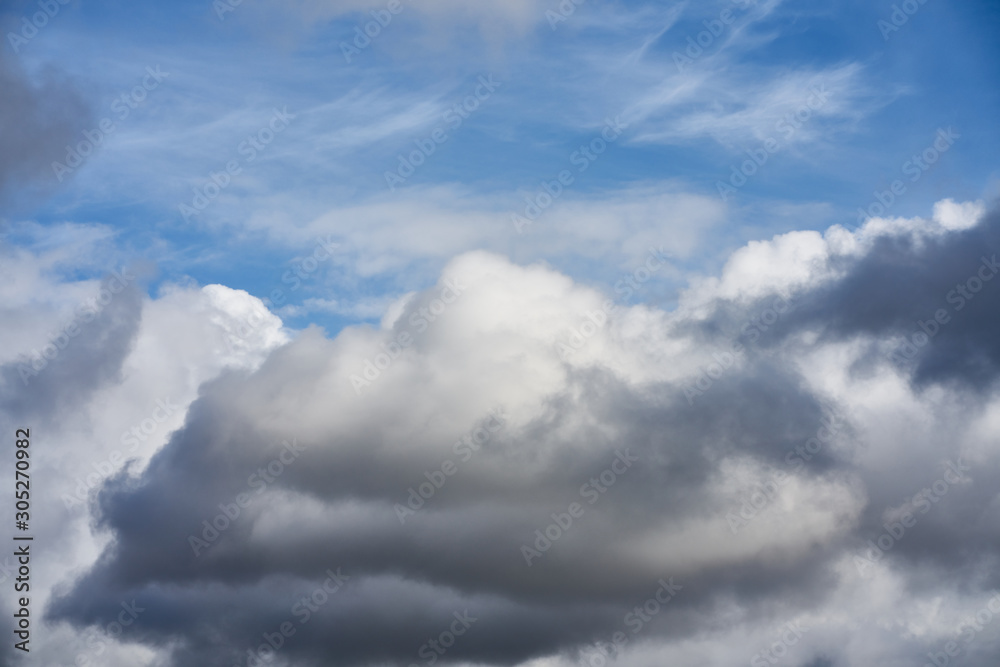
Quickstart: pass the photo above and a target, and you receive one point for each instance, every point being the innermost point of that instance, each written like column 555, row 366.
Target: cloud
column 446, row 220
column 400, row 243
column 40, row 116
column 753, row 478
column 788, row 106
column 517, row 12
column 690, row 82
column 101, row 375
column 441, row 20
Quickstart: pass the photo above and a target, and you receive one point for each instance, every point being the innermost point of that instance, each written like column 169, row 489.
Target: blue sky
column 529, row 311
column 558, row 82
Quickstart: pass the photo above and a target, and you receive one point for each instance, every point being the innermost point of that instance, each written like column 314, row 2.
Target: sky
column 404, row 333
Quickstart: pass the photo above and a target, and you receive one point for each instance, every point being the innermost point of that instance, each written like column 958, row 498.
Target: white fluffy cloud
column 754, row 479
column 88, row 426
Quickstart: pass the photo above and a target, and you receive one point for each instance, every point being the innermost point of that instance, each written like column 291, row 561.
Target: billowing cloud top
column 515, row 468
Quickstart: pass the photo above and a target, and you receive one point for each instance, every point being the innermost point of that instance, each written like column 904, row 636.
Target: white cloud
column 495, row 340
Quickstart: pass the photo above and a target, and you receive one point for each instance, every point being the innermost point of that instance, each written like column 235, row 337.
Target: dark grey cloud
column 327, row 499
column 77, row 358
column 903, row 282
column 881, row 300
column 39, row 116
column 563, row 600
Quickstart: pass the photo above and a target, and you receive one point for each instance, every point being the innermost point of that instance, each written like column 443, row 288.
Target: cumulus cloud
column 518, row 449
column 101, row 374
